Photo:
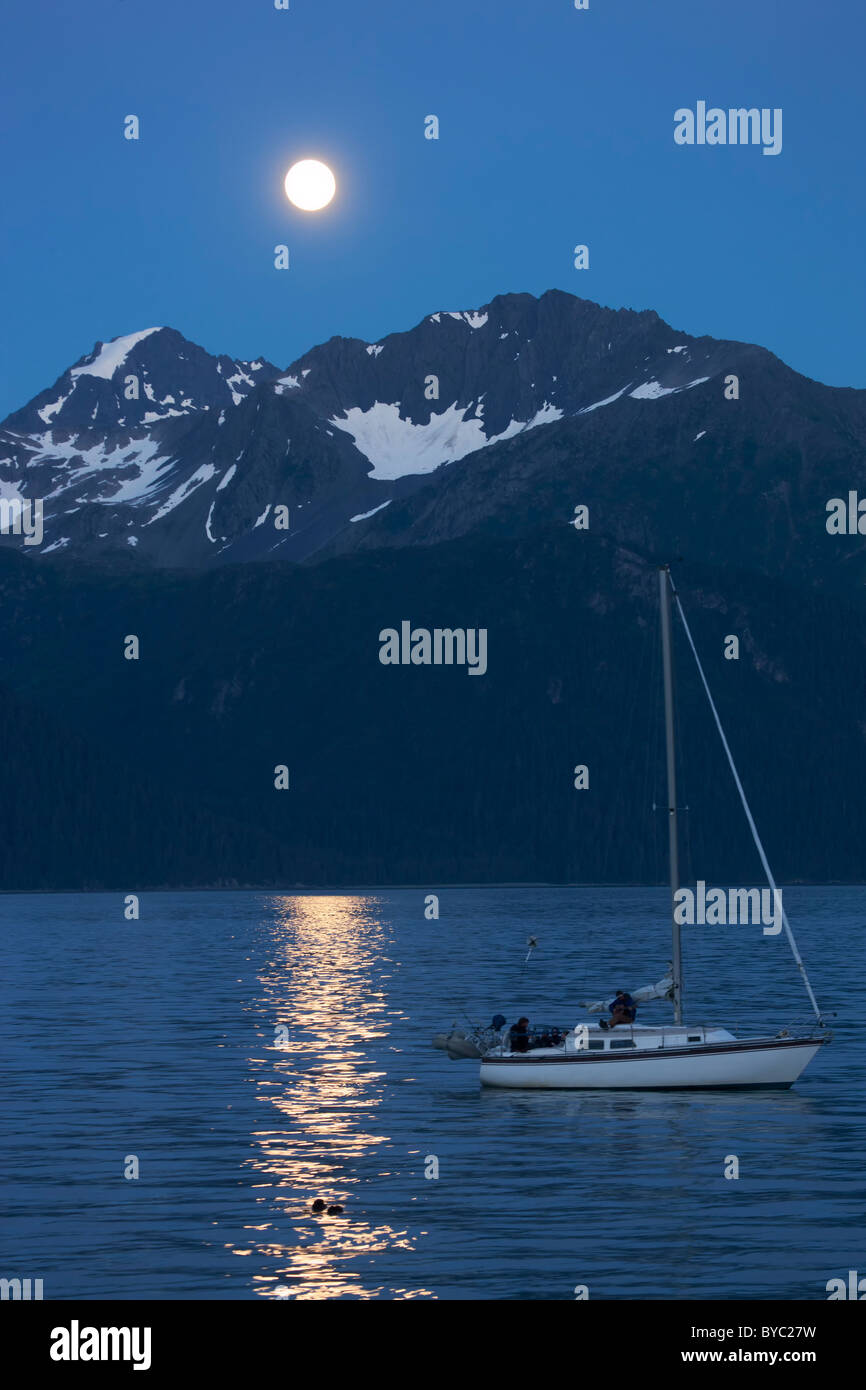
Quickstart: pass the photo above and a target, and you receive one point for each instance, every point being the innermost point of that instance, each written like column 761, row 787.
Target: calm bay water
column 157, row 1039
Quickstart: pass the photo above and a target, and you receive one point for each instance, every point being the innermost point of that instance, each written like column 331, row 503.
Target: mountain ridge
column 261, row 649
column 470, row 419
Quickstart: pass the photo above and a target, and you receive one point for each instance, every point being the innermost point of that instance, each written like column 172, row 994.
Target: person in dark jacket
column 518, row 1035
column 623, row 1009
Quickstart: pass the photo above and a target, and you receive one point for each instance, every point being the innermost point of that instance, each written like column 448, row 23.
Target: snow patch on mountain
column 200, row 476
column 11, row 491
column 396, row 447
column 362, row 516
column 148, row 477
column 607, row 401
column 653, row 390
column 138, row 454
column 237, row 378
column 472, row 317
column 545, row 416
column 151, row 416
column 48, row 411
column 112, row 355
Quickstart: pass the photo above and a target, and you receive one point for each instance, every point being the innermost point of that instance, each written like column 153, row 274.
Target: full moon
column 310, row 185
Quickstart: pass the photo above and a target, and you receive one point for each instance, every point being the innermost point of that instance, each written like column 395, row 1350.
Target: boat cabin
column 626, row 1037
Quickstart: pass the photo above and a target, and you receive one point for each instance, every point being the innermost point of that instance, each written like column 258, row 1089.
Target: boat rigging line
column 754, row 829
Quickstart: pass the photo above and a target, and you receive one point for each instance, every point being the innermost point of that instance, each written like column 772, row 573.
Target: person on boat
column 518, row 1035
column 623, row 1009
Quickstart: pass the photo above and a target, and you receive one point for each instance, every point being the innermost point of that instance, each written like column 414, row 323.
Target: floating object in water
column 318, row 1205
column 459, row 1044
column 335, row 1209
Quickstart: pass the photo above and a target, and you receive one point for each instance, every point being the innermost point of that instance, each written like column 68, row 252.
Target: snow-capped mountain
column 503, row 416
column 461, row 381
column 434, row 474
column 137, row 380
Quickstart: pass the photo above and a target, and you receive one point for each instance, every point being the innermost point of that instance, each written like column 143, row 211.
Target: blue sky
column 556, row 129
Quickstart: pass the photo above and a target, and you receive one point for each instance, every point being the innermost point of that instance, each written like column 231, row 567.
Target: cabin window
column 596, row 1045
column 693, row 1037
column 622, row 1042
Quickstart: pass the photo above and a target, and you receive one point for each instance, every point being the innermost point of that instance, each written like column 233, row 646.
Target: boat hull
column 765, row 1063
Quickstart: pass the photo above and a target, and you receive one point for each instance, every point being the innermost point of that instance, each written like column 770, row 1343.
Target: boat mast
column 673, row 846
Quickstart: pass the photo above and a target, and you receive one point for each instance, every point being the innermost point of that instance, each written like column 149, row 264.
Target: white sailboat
column 644, row 1057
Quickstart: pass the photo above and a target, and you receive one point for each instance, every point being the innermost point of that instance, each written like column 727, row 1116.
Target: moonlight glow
column 310, row 185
